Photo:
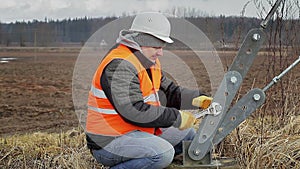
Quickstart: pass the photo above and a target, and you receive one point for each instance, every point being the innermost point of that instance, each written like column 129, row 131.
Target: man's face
column 152, row 53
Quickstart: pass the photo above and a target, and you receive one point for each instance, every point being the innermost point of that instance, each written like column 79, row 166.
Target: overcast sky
column 27, row 10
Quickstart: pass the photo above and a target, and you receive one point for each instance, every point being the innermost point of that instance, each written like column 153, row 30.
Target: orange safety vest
column 102, row 118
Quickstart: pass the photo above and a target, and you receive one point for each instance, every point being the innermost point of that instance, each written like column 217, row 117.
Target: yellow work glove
column 202, row 101
column 187, row 120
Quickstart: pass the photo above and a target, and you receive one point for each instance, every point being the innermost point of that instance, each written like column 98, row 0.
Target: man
column 127, row 127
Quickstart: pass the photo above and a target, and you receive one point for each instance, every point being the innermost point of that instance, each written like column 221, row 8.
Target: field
column 36, row 91
column 39, row 127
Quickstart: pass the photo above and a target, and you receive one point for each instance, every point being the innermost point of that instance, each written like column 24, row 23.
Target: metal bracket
column 210, row 129
column 239, row 112
column 201, row 143
column 248, row 51
column 207, row 161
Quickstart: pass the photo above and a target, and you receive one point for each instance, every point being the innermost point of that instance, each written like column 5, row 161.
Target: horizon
column 18, row 10
column 47, row 20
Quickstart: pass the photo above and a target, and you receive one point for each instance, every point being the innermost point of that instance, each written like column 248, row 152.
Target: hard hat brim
column 163, row 38
column 166, row 39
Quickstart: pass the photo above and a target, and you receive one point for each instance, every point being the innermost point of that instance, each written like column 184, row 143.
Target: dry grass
column 253, row 149
column 266, row 139
column 44, row 150
column 268, row 149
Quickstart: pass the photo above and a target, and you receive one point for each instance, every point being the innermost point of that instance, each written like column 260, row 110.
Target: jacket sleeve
column 121, row 85
column 175, row 96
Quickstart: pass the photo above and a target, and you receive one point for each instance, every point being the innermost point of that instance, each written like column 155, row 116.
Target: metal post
column 277, row 78
column 264, row 23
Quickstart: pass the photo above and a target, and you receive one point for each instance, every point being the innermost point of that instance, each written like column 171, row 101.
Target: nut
column 233, row 79
column 256, row 37
column 197, row 152
column 256, row 97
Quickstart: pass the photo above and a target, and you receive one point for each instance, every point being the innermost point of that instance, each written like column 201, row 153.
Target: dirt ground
column 35, row 91
column 36, row 88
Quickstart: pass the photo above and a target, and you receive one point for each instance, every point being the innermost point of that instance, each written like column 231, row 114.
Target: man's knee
column 163, row 160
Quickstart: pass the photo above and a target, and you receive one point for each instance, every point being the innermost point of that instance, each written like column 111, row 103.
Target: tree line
column 222, row 30
column 50, row 32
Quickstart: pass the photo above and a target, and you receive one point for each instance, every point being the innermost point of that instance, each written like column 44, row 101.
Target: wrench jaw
column 214, row 109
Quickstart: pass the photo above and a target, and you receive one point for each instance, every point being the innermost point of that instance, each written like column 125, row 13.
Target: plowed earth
column 36, row 86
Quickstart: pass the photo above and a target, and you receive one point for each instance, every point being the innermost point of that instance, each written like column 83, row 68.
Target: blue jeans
column 141, row 150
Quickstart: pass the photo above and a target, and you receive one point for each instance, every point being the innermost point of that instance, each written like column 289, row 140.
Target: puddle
column 7, row 59
column 11, row 59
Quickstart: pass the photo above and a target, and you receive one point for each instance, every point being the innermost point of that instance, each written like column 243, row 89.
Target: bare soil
column 36, row 89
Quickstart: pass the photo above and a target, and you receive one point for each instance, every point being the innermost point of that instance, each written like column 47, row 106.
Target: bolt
column 218, row 107
column 233, row 79
column 256, row 37
column 197, row 152
column 256, row 97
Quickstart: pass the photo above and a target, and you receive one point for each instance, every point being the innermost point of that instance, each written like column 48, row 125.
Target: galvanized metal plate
column 202, row 142
column 206, row 162
column 239, row 112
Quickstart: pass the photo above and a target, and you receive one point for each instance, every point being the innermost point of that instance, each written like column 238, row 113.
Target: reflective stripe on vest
column 151, row 98
column 100, row 94
column 104, row 111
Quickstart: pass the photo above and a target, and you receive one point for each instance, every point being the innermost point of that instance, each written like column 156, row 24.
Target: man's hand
column 187, row 120
column 202, row 101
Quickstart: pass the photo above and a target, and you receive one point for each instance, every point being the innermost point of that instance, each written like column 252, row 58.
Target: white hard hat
column 153, row 23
